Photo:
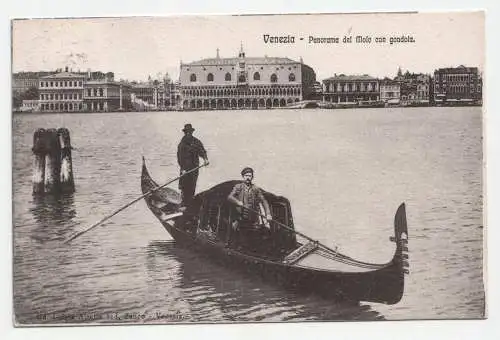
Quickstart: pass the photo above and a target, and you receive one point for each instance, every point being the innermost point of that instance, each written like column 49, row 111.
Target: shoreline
column 318, row 107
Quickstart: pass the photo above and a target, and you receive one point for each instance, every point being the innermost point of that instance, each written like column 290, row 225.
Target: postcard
column 248, row 168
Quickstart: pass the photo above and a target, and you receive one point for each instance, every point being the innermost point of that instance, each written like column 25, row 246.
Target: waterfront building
column 105, row 95
column 172, row 94
column 61, row 92
column 317, row 91
column 67, row 91
column 415, row 88
column 244, row 82
column 351, row 89
column 390, row 92
column 30, row 105
column 146, row 92
column 423, row 91
column 457, row 85
column 23, row 81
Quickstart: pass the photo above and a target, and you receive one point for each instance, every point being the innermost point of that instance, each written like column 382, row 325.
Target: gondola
column 273, row 250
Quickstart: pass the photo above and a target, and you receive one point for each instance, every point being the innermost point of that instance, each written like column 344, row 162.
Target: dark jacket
column 189, row 151
column 250, row 196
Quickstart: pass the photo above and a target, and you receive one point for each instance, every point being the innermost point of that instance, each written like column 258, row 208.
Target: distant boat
column 273, row 250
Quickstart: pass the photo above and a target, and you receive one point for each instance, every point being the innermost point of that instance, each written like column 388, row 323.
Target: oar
column 128, row 205
column 284, row 226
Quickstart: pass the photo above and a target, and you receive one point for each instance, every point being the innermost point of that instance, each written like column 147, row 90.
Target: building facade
column 105, row 96
column 61, row 92
column 415, row 88
column 423, row 92
column 457, row 85
column 351, row 89
column 66, row 91
column 390, row 92
column 30, row 105
column 244, row 82
column 23, row 81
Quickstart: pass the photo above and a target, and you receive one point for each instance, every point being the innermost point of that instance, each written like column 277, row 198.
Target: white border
column 335, row 330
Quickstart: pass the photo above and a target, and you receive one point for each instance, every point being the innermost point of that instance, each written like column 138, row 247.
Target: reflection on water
column 216, row 292
column 345, row 172
column 53, row 215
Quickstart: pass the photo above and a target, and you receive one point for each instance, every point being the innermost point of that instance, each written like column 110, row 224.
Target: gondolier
column 248, row 198
column 189, row 150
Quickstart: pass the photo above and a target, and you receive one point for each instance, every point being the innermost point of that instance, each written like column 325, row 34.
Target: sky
column 135, row 47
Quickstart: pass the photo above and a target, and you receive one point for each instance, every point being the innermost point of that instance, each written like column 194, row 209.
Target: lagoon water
column 344, row 171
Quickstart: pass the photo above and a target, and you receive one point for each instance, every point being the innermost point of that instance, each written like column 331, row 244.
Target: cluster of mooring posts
column 52, row 165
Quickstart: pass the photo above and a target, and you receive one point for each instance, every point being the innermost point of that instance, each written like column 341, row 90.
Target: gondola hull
column 358, row 281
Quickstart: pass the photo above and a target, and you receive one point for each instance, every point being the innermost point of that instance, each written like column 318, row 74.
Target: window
column 210, row 77
column 228, row 77
column 192, row 77
column 80, row 83
column 256, row 76
column 101, row 92
column 41, row 84
column 242, row 78
column 274, row 78
column 291, row 77
column 89, row 92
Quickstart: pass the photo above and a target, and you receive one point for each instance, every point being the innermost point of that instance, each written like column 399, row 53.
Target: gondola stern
column 400, row 228
column 401, row 231
column 400, row 263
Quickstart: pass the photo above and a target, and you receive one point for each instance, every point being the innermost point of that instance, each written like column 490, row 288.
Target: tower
column 242, row 53
column 242, row 74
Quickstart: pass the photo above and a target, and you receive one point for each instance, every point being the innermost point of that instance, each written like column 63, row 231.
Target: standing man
column 248, row 197
column 189, row 151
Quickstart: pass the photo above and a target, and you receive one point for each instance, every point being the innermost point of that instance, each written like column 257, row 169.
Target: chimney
column 88, row 74
column 66, row 69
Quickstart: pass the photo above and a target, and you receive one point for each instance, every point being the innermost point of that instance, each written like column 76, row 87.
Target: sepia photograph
column 248, row 168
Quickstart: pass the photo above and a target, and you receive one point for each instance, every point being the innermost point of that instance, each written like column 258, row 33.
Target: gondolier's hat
column 188, row 127
column 246, row 171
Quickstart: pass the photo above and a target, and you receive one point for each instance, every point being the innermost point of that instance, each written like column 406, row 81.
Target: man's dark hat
column 246, row 170
column 188, row 127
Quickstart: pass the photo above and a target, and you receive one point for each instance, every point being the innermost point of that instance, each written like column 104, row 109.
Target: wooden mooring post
column 52, row 165
column 67, row 181
column 38, row 161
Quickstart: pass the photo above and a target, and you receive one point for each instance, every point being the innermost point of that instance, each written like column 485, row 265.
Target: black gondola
column 273, row 250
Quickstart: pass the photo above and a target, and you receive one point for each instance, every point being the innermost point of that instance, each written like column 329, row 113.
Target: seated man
column 247, row 197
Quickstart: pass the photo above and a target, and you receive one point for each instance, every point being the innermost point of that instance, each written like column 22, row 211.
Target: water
column 344, row 171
